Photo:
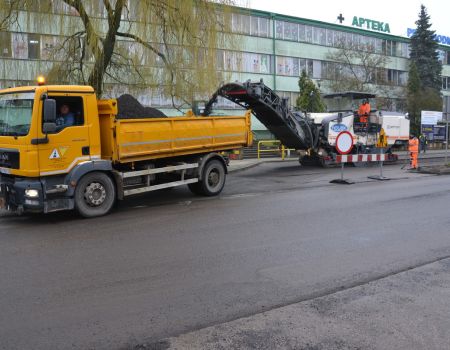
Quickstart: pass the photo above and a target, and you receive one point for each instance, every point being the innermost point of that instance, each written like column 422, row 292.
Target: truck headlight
column 31, row 193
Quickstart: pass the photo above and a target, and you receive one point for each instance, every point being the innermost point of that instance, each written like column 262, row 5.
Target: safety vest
column 364, row 109
column 413, row 145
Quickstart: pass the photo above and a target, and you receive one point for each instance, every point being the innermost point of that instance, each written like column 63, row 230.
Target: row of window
column 333, row 38
column 293, row 66
column 260, row 26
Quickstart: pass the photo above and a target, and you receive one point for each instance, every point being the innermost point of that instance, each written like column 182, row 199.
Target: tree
column 413, row 94
column 179, row 38
column 8, row 13
column 424, row 81
column 424, row 53
column 420, row 99
column 309, row 99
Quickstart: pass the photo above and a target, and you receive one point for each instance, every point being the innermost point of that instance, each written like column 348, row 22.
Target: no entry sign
column 344, row 142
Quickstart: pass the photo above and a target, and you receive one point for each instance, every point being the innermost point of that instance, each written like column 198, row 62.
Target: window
column 315, row 35
column 309, row 34
column 317, row 69
column 34, row 47
column 309, row 70
column 254, row 26
column 49, row 44
column 20, row 46
column 301, row 33
column 330, row 37
column 388, row 47
column 5, row 44
column 69, row 111
column 263, row 27
column 279, row 29
column 245, row 20
column 265, row 64
column 322, row 36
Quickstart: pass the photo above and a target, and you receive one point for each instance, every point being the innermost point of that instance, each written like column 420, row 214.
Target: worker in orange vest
column 364, row 111
column 413, row 148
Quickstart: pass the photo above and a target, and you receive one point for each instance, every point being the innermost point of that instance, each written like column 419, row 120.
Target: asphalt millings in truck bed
column 130, row 108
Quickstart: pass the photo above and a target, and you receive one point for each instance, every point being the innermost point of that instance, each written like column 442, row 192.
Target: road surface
column 168, row 263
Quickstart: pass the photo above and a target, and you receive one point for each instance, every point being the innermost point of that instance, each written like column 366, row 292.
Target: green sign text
column 371, row 24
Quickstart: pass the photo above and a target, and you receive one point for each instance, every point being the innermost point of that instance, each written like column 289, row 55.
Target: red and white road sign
column 344, row 142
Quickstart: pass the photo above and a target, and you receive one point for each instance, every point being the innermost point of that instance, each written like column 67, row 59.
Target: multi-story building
column 273, row 47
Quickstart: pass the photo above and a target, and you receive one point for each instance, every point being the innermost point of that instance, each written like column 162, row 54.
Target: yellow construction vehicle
column 61, row 148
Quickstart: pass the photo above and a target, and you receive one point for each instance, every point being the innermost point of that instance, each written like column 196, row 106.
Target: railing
column 273, row 146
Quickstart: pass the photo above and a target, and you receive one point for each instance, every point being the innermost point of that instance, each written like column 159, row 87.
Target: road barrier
column 354, row 158
column 365, row 158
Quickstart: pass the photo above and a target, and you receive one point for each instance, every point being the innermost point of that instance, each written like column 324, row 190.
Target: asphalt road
column 168, row 263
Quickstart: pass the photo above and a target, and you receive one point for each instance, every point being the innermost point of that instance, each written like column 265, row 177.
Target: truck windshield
column 15, row 113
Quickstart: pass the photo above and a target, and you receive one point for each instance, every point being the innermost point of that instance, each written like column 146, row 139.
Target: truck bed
column 130, row 140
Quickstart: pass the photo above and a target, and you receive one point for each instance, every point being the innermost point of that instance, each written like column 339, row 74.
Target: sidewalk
column 405, row 310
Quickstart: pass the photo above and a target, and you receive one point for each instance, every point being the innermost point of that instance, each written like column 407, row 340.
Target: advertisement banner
column 430, row 117
column 434, row 133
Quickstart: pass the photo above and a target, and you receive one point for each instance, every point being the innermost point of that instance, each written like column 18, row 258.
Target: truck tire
column 213, row 179
column 95, row 195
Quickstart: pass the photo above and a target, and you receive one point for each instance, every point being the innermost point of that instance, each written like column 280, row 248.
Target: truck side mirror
column 49, row 111
column 49, row 128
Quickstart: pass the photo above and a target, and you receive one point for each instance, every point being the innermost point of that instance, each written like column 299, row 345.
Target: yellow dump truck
column 62, row 149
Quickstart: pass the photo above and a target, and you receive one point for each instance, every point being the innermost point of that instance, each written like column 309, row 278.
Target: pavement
column 325, row 264
column 402, row 311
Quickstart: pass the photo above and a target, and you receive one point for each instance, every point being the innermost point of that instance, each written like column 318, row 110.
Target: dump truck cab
column 37, row 150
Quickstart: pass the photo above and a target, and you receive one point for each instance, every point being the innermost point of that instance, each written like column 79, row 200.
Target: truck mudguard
column 83, row 168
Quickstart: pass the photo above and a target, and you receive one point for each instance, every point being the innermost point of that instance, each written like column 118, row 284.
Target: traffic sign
column 344, row 142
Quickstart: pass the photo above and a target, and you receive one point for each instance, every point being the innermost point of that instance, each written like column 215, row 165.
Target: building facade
column 272, row 47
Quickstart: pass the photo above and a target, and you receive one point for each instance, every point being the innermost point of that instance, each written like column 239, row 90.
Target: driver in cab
column 65, row 117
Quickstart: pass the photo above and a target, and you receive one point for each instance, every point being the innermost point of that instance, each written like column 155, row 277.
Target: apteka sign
column 366, row 23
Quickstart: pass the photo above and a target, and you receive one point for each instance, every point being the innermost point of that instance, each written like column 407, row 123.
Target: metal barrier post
column 380, row 177
column 282, row 152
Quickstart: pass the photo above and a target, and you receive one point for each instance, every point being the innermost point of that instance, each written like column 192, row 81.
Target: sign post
column 344, row 145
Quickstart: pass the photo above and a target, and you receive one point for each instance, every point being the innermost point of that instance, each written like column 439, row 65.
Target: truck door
column 69, row 144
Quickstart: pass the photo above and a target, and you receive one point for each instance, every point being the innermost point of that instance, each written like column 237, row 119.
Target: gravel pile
column 130, row 108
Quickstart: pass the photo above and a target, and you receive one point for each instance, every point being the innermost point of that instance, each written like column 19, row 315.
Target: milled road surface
column 168, row 263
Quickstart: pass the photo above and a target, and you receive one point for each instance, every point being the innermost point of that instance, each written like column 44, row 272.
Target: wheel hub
column 213, row 178
column 95, row 194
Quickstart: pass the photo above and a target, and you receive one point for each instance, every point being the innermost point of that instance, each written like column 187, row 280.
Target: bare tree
column 357, row 67
column 8, row 13
column 167, row 44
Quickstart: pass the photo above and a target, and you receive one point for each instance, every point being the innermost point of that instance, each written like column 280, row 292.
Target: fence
column 273, row 146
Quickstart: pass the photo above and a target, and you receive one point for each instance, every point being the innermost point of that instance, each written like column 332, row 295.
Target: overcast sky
column 400, row 14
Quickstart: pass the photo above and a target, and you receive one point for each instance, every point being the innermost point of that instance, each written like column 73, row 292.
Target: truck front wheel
column 213, row 179
column 95, row 195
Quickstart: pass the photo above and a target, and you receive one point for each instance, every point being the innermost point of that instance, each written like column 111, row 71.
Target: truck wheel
column 213, row 179
column 95, row 195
